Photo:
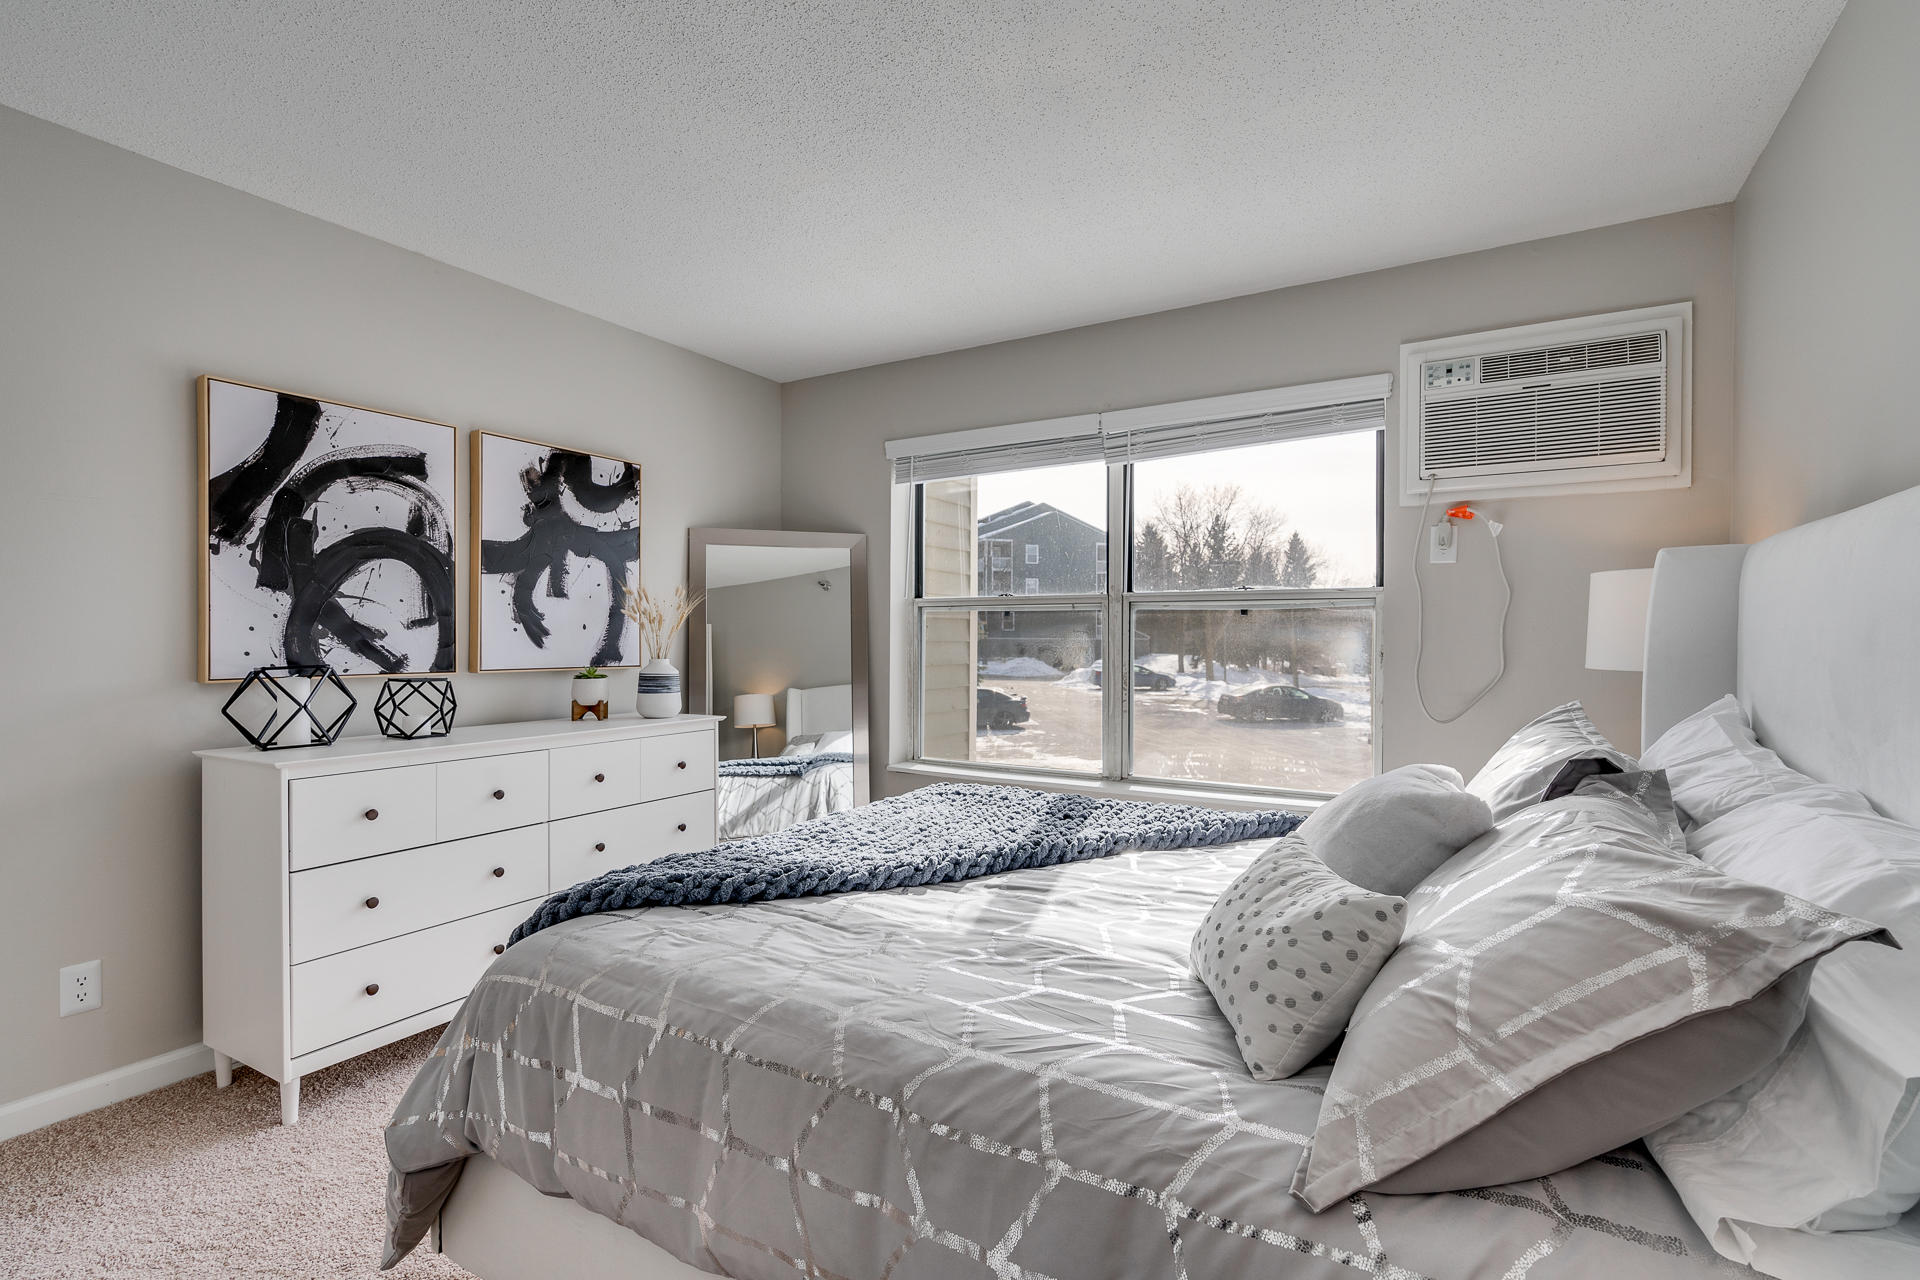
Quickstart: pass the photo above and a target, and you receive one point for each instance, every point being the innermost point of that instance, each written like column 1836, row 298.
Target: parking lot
column 1178, row 734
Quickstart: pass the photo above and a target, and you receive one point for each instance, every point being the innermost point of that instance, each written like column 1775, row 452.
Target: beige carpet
column 194, row 1181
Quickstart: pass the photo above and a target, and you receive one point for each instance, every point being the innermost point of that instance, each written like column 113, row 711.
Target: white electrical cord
column 1420, row 615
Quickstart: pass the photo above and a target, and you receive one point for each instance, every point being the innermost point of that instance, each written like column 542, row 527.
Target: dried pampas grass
column 658, row 617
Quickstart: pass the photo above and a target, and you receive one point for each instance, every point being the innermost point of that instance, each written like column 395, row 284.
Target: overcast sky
column 1325, row 487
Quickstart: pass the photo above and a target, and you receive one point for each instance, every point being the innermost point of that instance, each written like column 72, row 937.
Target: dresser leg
column 290, row 1102
column 222, row 1070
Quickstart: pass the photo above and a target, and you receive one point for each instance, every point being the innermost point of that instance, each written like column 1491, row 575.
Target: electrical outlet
column 80, row 988
column 1442, row 547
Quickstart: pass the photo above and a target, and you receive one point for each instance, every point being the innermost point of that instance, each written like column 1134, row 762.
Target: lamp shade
column 753, row 711
column 1617, row 619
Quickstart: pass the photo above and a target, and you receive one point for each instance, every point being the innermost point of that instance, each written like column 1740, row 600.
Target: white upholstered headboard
column 1817, row 630
column 824, row 709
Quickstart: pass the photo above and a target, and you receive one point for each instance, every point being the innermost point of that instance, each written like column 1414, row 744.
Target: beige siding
column 947, row 672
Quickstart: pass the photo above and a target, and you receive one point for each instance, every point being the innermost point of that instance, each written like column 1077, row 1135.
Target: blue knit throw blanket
column 782, row 766
column 953, row 831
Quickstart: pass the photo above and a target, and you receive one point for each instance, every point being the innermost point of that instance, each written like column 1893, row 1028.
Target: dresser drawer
column 491, row 793
column 595, row 843
column 351, row 904
column 600, row 775
column 677, row 764
column 355, row 991
column 353, row 815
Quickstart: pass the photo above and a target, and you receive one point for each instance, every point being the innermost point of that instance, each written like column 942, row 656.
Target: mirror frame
column 698, row 672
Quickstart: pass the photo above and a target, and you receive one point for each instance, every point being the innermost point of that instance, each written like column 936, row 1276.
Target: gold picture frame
column 481, row 599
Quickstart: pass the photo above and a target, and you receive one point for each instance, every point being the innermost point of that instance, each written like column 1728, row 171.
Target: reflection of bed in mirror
column 779, row 650
column 810, row 778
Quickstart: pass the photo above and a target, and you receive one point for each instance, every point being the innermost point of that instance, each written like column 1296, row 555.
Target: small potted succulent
column 590, row 693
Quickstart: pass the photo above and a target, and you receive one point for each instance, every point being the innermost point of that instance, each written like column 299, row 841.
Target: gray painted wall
column 1829, row 271
column 836, row 477
column 120, row 281
column 775, row 635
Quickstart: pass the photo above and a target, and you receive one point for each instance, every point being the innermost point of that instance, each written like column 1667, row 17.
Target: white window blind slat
column 1152, row 431
column 916, row 468
column 1144, row 444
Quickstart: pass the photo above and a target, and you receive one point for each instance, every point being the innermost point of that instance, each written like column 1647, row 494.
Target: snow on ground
column 1021, row 668
column 1178, row 736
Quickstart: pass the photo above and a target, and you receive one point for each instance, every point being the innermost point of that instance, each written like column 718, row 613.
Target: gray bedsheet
column 1012, row 1076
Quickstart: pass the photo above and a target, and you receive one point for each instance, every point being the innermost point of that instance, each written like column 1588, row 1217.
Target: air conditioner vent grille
column 1544, row 362
column 1615, row 420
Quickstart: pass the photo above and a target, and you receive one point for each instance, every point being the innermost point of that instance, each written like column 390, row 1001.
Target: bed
column 757, row 797
column 1017, row 1076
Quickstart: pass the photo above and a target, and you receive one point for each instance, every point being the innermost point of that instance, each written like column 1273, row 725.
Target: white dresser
column 351, row 895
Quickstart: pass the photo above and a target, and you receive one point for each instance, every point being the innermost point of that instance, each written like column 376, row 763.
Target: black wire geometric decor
column 415, row 708
column 295, row 706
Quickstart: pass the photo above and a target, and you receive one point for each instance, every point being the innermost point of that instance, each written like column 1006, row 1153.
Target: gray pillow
column 1523, row 768
column 1389, row 833
column 1287, row 950
column 1573, row 931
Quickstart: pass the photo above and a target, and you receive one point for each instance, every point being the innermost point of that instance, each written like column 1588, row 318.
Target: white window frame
column 1116, row 606
column 1033, row 553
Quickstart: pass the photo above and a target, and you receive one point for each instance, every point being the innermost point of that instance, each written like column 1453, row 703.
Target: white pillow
column 1824, row 1138
column 1715, row 764
column 1523, row 768
column 804, row 745
column 841, row 741
column 1392, row 831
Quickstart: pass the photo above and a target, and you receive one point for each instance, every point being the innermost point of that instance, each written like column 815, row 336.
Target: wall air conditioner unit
column 1595, row 404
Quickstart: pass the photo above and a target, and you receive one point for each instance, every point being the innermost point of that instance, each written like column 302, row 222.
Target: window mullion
column 1116, row 648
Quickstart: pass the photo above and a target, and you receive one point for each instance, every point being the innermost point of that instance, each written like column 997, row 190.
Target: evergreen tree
column 1302, row 564
column 1153, row 568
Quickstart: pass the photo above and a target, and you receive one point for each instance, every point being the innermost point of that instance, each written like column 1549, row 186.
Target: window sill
column 1164, row 792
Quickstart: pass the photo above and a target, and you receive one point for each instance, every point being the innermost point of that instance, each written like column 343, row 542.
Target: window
column 1241, row 595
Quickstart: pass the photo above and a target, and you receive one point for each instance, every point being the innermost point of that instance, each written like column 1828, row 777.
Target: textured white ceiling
column 735, row 566
column 802, row 187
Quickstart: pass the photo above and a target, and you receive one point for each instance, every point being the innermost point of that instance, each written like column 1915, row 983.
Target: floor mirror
column 778, row 646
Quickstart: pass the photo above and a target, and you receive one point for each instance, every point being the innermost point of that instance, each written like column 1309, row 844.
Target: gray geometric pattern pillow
column 1287, row 951
column 1567, row 932
column 1526, row 765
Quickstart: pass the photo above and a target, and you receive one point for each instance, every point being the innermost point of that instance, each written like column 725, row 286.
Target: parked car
column 1281, row 702
column 996, row 710
column 1143, row 678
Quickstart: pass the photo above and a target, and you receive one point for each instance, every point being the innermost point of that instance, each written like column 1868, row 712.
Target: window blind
column 1153, row 431
column 1143, row 444
column 911, row 468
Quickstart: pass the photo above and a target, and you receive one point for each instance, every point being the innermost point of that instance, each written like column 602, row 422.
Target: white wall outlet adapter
column 1443, row 547
column 80, row 988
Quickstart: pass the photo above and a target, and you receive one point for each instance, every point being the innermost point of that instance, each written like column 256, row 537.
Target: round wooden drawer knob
column 599, row 777
column 499, row 948
column 499, row 795
column 498, row 872
column 683, row 826
column 372, row 814
column 681, row 765
column 372, row 903
column 601, row 847
column 373, row 988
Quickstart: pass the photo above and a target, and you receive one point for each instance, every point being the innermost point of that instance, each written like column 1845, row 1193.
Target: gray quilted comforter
column 1011, row 1076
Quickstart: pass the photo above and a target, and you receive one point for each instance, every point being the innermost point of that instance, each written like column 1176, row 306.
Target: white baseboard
column 94, row 1092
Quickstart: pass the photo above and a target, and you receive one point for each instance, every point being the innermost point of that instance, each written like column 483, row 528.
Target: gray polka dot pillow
column 1288, row 950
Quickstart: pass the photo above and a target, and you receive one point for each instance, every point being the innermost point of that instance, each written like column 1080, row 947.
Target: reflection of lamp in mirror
column 753, row 711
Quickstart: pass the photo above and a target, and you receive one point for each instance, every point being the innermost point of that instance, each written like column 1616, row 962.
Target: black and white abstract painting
column 329, row 535
column 559, row 540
